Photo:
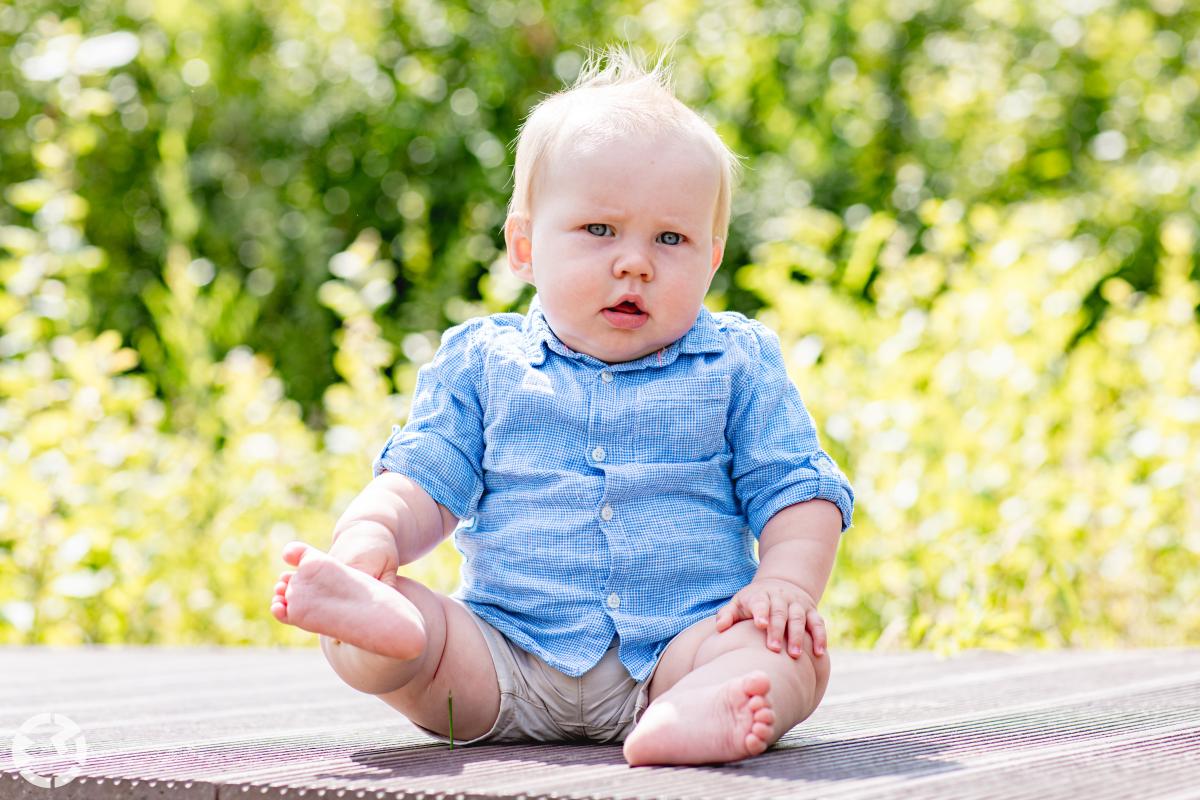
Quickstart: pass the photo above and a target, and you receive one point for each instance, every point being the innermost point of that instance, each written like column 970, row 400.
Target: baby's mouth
column 626, row 314
column 626, row 307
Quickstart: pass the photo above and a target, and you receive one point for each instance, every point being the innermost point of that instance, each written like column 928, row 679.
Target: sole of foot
column 706, row 725
column 327, row 597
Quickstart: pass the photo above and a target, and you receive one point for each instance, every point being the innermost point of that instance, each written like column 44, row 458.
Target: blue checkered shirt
column 608, row 499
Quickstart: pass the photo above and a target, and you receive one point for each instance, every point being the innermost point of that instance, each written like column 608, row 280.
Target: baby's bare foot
column 327, row 597
column 706, row 725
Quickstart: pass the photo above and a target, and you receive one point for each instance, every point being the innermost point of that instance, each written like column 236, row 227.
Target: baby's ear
column 519, row 246
column 718, row 252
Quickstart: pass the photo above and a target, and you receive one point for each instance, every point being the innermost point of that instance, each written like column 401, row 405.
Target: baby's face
column 620, row 243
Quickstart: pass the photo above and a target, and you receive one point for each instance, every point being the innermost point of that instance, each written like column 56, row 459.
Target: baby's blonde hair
column 614, row 95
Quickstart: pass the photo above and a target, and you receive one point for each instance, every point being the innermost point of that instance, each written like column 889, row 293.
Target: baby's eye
column 599, row 228
column 670, row 237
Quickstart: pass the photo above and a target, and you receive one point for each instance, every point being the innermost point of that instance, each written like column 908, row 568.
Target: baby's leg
column 720, row 697
column 398, row 640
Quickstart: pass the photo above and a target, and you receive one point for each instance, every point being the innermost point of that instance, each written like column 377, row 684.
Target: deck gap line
column 992, row 713
column 126, row 680
column 186, row 755
column 1081, row 744
column 1030, row 755
column 192, row 716
column 961, row 680
column 217, row 665
column 285, row 736
column 1128, row 690
column 67, row 706
column 999, row 784
column 964, row 736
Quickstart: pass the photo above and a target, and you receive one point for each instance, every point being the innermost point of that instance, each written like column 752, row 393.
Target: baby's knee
column 739, row 636
column 365, row 671
column 746, row 635
column 377, row 674
column 822, row 667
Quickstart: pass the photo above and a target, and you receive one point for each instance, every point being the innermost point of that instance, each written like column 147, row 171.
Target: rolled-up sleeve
column 777, row 456
column 440, row 448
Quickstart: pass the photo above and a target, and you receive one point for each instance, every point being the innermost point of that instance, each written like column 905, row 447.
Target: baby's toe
column 279, row 610
column 293, row 552
column 756, row 683
column 764, row 715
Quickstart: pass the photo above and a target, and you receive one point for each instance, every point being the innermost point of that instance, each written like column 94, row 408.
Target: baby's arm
column 796, row 553
column 392, row 521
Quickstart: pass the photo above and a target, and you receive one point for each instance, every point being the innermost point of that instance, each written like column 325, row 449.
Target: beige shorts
column 539, row 703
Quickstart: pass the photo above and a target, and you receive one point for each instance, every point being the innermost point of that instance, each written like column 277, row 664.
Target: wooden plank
column 214, row 723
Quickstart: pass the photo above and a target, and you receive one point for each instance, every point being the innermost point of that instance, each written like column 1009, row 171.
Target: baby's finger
column 795, row 630
column 724, row 615
column 778, row 626
column 816, row 627
column 730, row 613
column 760, row 607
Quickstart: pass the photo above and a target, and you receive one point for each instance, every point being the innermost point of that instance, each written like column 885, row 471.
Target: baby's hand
column 778, row 607
column 370, row 550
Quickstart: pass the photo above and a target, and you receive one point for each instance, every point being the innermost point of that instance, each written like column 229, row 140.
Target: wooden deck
column 208, row 723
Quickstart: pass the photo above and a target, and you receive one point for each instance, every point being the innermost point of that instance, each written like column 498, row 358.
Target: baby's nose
column 633, row 263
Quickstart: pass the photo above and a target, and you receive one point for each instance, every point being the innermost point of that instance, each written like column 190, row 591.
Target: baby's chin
column 626, row 352
column 610, row 352
column 613, row 345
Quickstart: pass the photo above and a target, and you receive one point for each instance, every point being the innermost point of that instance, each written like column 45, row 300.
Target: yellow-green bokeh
column 231, row 232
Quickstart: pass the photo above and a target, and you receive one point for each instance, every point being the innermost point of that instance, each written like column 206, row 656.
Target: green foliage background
column 231, row 231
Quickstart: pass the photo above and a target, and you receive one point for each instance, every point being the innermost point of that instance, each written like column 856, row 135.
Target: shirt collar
column 703, row 337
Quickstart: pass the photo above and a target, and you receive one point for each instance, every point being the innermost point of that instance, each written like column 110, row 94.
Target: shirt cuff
column 435, row 465
column 818, row 487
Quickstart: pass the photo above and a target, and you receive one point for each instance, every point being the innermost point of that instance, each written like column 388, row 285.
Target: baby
column 605, row 462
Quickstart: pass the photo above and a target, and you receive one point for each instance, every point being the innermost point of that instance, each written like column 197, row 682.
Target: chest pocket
column 682, row 419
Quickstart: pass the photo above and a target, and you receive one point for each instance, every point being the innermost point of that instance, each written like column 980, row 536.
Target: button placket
column 607, row 398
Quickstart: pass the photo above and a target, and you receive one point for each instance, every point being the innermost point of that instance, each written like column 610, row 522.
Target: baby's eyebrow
column 673, row 223
column 605, row 211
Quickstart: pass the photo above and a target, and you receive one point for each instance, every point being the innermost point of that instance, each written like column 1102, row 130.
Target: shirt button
column 613, row 600
column 598, row 454
column 606, row 376
column 606, row 512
